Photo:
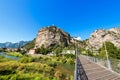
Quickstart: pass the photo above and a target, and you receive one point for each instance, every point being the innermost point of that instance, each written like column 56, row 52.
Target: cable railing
column 79, row 73
column 114, row 63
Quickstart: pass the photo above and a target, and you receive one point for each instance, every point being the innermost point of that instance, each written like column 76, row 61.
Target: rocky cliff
column 51, row 36
column 99, row 36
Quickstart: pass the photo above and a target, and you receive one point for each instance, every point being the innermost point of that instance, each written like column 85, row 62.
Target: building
column 8, row 49
column 31, row 51
column 14, row 49
column 68, row 52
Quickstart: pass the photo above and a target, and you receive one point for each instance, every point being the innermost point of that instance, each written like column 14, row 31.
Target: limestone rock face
column 116, row 30
column 51, row 36
column 99, row 36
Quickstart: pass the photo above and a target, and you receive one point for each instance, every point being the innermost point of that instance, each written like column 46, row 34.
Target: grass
column 66, row 68
column 3, row 59
column 16, row 54
column 36, row 68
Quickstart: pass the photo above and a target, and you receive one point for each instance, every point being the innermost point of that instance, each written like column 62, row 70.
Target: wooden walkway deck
column 97, row 72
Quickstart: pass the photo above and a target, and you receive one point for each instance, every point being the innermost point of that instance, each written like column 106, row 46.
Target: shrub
column 27, row 59
column 6, row 72
column 70, row 56
column 17, row 54
column 112, row 50
column 64, row 61
column 57, row 51
column 42, row 50
column 53, row 64
column 13, row 77
column 23, row 52
column 24, row 60
column 71, row 62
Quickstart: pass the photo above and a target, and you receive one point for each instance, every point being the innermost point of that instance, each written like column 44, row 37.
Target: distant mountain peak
column 13, row 45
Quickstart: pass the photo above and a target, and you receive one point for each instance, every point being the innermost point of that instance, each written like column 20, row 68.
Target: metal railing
column 79, row 73
column 115, row 63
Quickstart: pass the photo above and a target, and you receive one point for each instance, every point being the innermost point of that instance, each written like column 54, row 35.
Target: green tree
column 57, row 51
column 42, row 50
column 23, row 52
column 29, row 45
column 112, row 50
column 2, row 50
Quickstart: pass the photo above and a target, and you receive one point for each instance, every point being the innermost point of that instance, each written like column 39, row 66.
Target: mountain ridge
column 13, row 45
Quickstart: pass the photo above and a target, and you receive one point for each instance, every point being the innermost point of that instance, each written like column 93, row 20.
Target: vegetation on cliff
column 112, row 50
column 29, row 45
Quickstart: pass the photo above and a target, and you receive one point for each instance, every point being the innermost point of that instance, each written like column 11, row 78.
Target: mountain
column 51, row 36
column 29, row 45
column 13, row 45
column 99, row 36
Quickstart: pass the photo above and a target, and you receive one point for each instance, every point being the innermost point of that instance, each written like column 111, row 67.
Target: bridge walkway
column 97, row 72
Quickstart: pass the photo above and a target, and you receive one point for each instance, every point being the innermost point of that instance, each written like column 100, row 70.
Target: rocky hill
column 51, row 36
column 99, row 36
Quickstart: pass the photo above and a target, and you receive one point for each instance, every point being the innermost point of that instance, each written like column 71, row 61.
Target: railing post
column 75, row 72
column 79, row 73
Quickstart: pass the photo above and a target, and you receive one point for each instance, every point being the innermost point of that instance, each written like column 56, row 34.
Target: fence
column 114, row 63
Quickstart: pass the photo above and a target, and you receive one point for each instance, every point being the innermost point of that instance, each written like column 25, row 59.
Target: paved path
column 97, row 72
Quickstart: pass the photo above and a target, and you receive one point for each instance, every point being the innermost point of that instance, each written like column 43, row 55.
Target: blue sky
column 21, row 19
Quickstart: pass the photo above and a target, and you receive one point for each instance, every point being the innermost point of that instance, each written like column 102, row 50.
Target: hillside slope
column 99, row 36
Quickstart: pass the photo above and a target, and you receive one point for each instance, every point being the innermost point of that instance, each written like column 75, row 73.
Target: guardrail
column 79, row 73
column 115, row 63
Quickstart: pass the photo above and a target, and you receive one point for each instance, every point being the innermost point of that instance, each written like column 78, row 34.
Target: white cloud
column 78, row 38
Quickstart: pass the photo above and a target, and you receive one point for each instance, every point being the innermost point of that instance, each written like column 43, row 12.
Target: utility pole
column 108, row 61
